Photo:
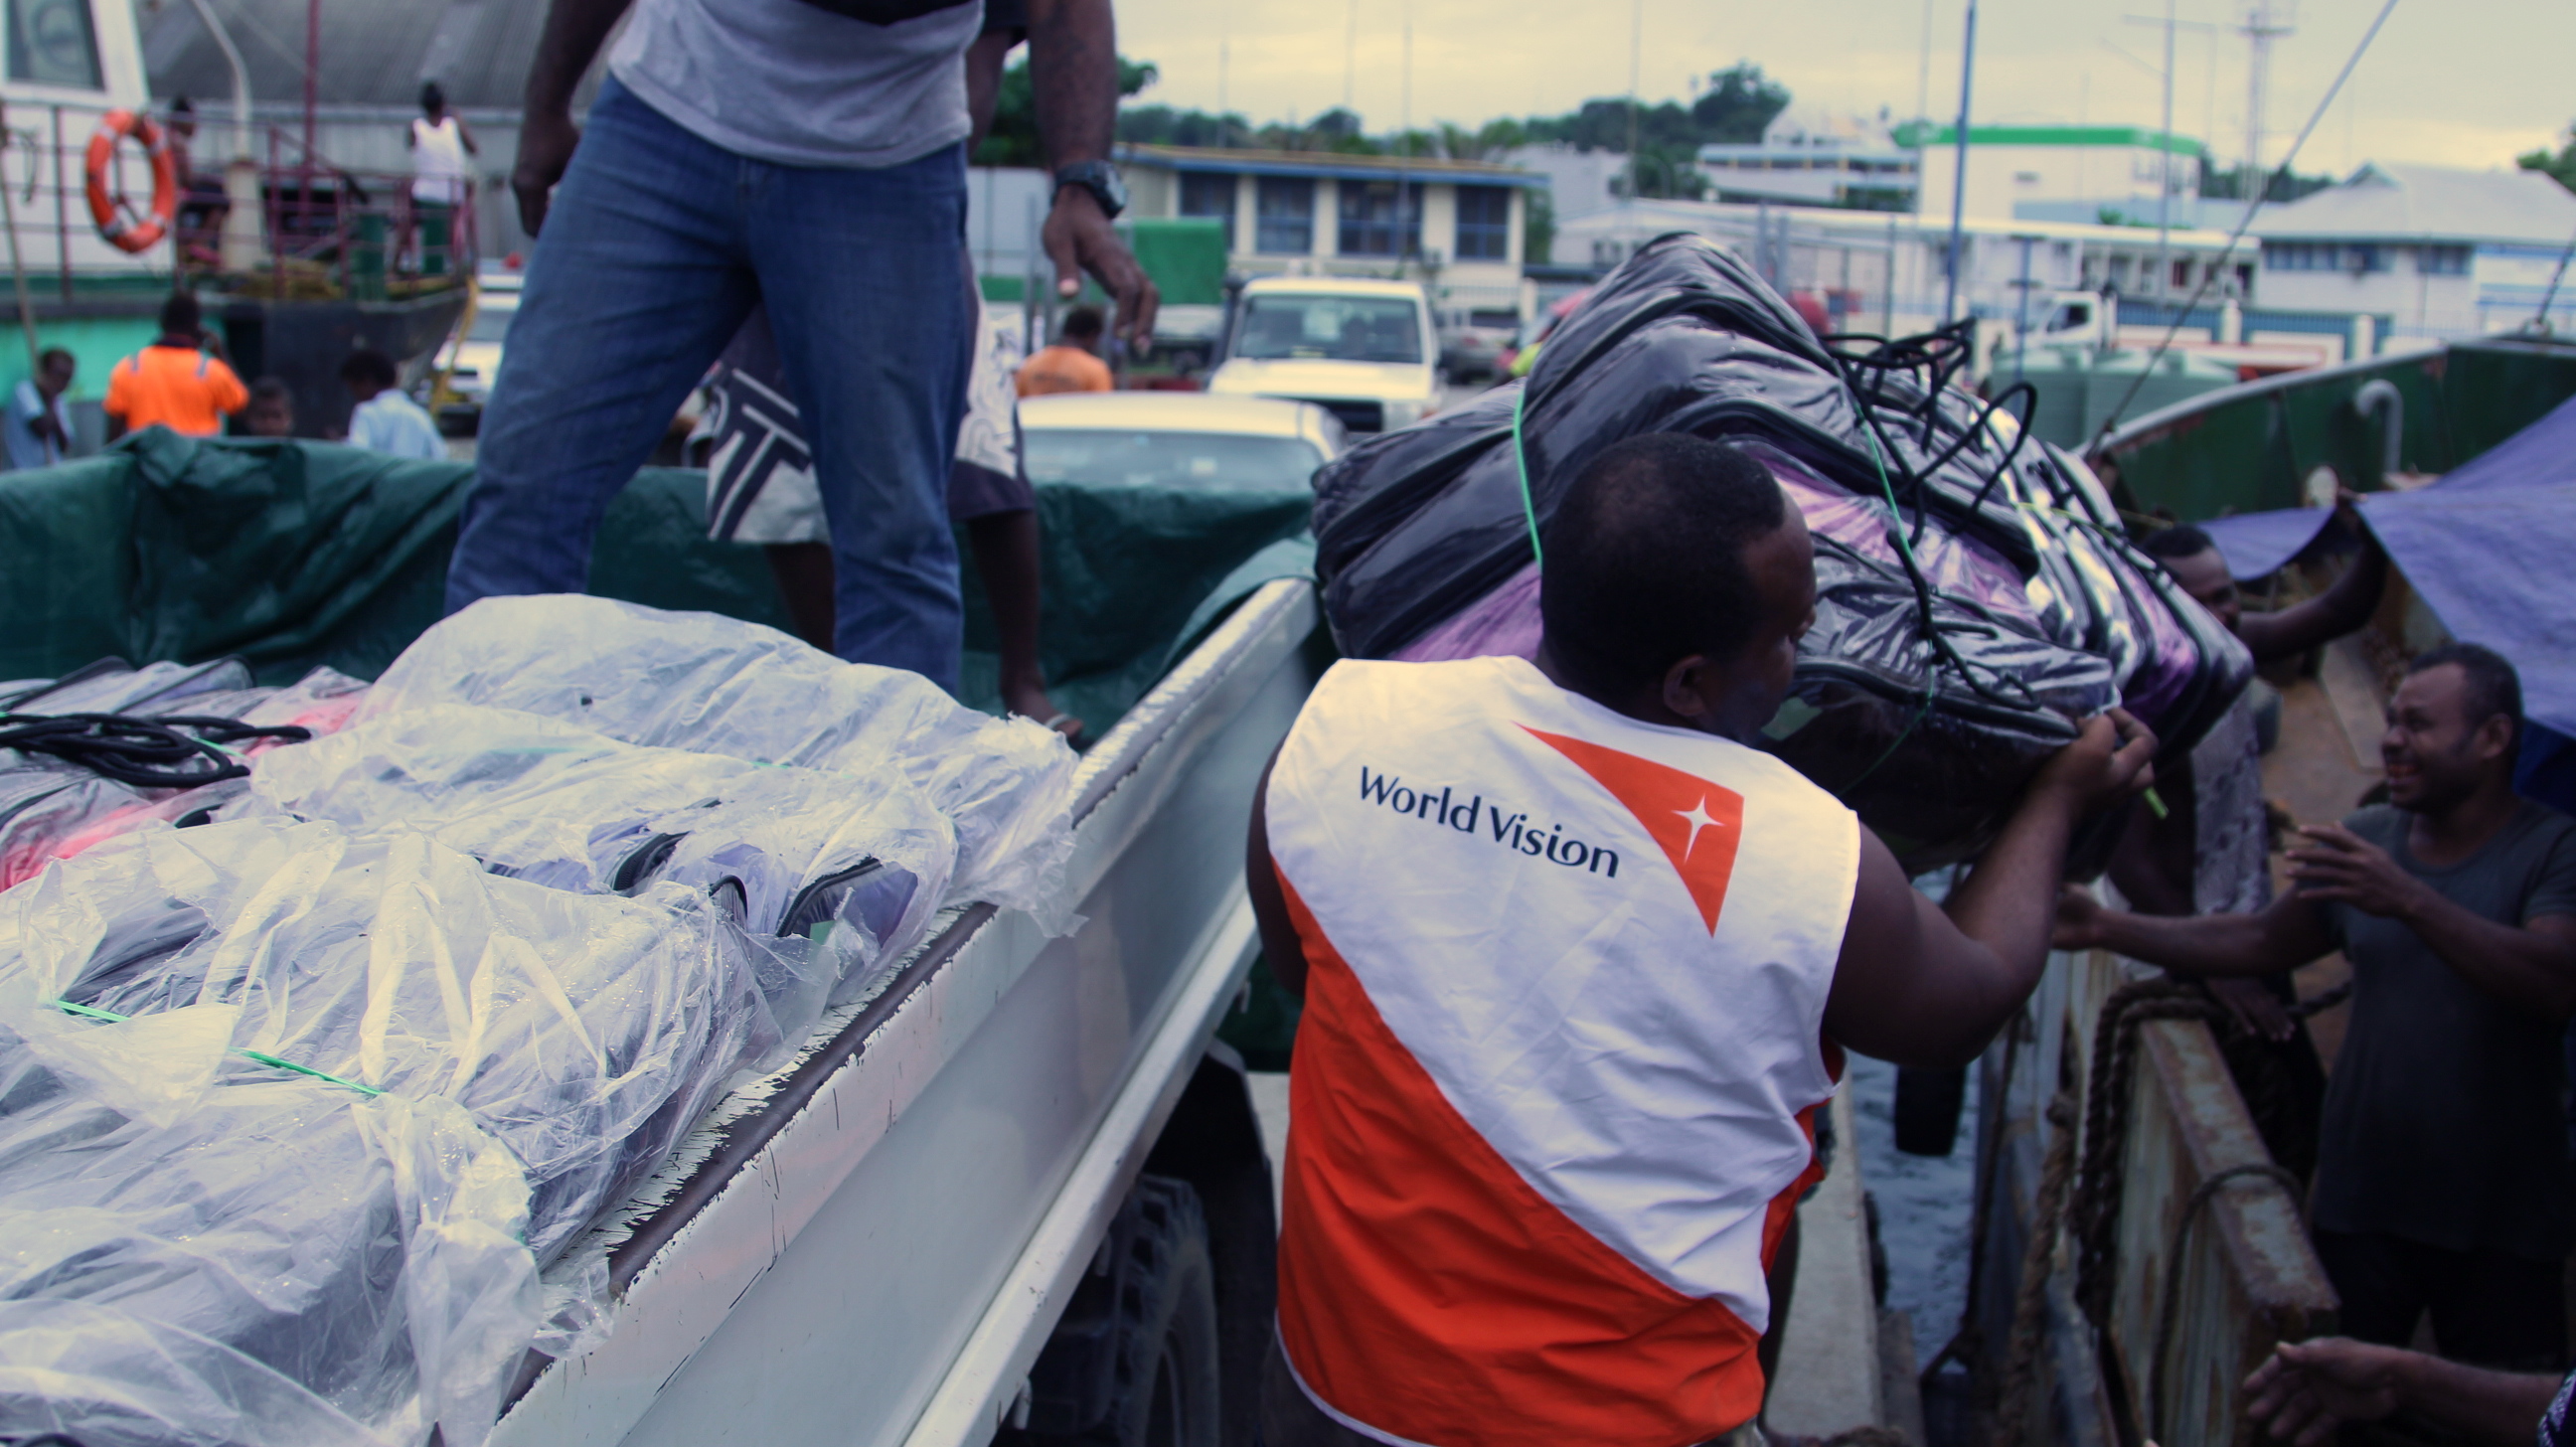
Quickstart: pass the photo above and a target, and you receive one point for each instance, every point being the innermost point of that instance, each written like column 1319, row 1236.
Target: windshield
column 1337, row 328
column 1201, row 461
column 492, row 323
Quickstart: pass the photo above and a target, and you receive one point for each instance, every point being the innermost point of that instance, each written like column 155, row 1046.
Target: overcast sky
column 2447, row 82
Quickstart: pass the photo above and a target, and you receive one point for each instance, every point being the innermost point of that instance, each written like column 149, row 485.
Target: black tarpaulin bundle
column 1976, row 598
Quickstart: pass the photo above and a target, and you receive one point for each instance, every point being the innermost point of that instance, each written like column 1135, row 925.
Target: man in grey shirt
column 805, row 153
column 2443, row 1180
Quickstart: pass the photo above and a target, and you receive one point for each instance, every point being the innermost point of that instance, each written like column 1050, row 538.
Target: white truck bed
column 872, row 1245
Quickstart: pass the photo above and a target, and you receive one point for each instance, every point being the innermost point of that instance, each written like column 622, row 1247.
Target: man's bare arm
column 2330, row 615
column 1073, row 70
column 1279, row 942
column 1919, row 985
column 575, row 29
column 2283, row 937
column 2532, row 965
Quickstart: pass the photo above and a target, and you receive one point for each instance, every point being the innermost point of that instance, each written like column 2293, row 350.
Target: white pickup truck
column 1020, row 1140
column 1363, row 350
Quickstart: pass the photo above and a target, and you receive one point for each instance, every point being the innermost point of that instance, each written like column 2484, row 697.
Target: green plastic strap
column 1520, row 459
column 1896, row 530
column 264, row 1058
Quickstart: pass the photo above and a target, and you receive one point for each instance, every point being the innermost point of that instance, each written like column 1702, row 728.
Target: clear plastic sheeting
column 302, row 1093
column 852, row 866
column 53, row 809
column 1976, row 595
column 359, row 1091
column 720, row 686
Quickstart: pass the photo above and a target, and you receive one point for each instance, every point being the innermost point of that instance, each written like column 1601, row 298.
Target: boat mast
column 1959, row 182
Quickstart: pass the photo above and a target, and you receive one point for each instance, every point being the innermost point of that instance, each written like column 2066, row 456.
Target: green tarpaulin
column 294, row 554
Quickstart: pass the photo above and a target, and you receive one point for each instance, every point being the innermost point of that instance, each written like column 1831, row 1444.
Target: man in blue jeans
column 806, row 153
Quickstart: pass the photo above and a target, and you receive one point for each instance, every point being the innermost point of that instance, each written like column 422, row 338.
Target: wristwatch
column 1100, row 179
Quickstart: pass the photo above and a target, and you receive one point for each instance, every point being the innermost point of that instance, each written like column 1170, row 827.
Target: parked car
column 1177, row 439
column 1362, row 350
column 1475, row 346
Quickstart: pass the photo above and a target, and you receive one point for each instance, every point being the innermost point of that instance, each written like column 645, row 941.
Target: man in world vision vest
column 1579, row 965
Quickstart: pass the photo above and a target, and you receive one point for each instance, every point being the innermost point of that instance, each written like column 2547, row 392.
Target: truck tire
column 1134, row 1362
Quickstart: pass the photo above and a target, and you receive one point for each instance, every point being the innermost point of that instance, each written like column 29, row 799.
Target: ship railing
column 2210, row 1264
column 324, row 229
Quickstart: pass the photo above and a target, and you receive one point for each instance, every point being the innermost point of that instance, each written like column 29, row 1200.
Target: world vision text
column 1511, row 831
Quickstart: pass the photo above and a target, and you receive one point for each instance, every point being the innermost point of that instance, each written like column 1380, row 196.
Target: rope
column 2030, row 1300
column 2170, row 1307
column 89, row 1013
column 2095, row 1218
column 143, row 753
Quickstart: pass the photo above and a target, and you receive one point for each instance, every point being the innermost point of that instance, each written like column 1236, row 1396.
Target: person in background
column 271, row 412
column 1073, row 364
column 1579, row 964
column 180, row 381
column 760, row 473
column 441, row 180
column 2442, row 1182
column 199, row 225
column 2306, row 1391
column 2211, row 851
column 37, row 435
column 811, row 156
column 381, row 418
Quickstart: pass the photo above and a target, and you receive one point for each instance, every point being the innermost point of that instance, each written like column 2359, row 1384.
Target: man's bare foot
column 1030, row 700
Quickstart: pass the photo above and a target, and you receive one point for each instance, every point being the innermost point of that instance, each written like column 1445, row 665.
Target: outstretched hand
column 2079, row 919
column 2341, row 866
column 2305, row 1390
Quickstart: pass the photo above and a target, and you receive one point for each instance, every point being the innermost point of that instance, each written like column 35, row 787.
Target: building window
column 2182, row 275
column 1204, row 194
column 2350, row 256
column 1484, row 223
column 1380, row 220
column 1287, row 214
column 2443, row 260
column 51, row 42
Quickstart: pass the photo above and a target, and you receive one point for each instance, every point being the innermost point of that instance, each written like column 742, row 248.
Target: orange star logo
column 1696, row 823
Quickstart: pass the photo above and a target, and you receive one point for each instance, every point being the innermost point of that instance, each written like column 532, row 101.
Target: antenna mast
column 2265, row 22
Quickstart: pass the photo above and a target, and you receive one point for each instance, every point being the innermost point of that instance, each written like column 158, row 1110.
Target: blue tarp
column 2259, row 544
column 2490, row 548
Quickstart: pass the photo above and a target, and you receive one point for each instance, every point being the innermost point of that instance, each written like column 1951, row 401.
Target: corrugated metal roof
column 2389, row 202
column 373, row 52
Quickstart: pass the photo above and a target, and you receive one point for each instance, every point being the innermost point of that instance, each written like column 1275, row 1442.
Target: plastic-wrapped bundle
column 199, row 1246
column 720, row 686
column 1978, row 597
column 859, row 863
column 53, row 809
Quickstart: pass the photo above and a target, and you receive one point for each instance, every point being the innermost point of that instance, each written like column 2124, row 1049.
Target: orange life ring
column 114, row 214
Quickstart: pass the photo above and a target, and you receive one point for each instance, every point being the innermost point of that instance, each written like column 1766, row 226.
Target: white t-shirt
column 392, row 423
column 806, row 82
column 438, row 164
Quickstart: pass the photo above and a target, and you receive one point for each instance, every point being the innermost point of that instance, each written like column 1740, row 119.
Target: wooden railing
column 2210, row 1264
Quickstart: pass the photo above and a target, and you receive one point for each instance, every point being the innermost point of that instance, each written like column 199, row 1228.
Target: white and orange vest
column 1550, row 1107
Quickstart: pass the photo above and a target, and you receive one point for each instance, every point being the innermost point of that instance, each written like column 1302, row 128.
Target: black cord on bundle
column 142, row 753
column 1937, row 355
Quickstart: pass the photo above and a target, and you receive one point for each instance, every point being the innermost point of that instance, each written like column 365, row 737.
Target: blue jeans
column 656, row 247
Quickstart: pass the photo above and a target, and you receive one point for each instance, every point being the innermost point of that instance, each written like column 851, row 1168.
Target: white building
column 1884, row 271
column 1814, row 159
column 2087, row 175
column 1453, row 225
column 2446, row 253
